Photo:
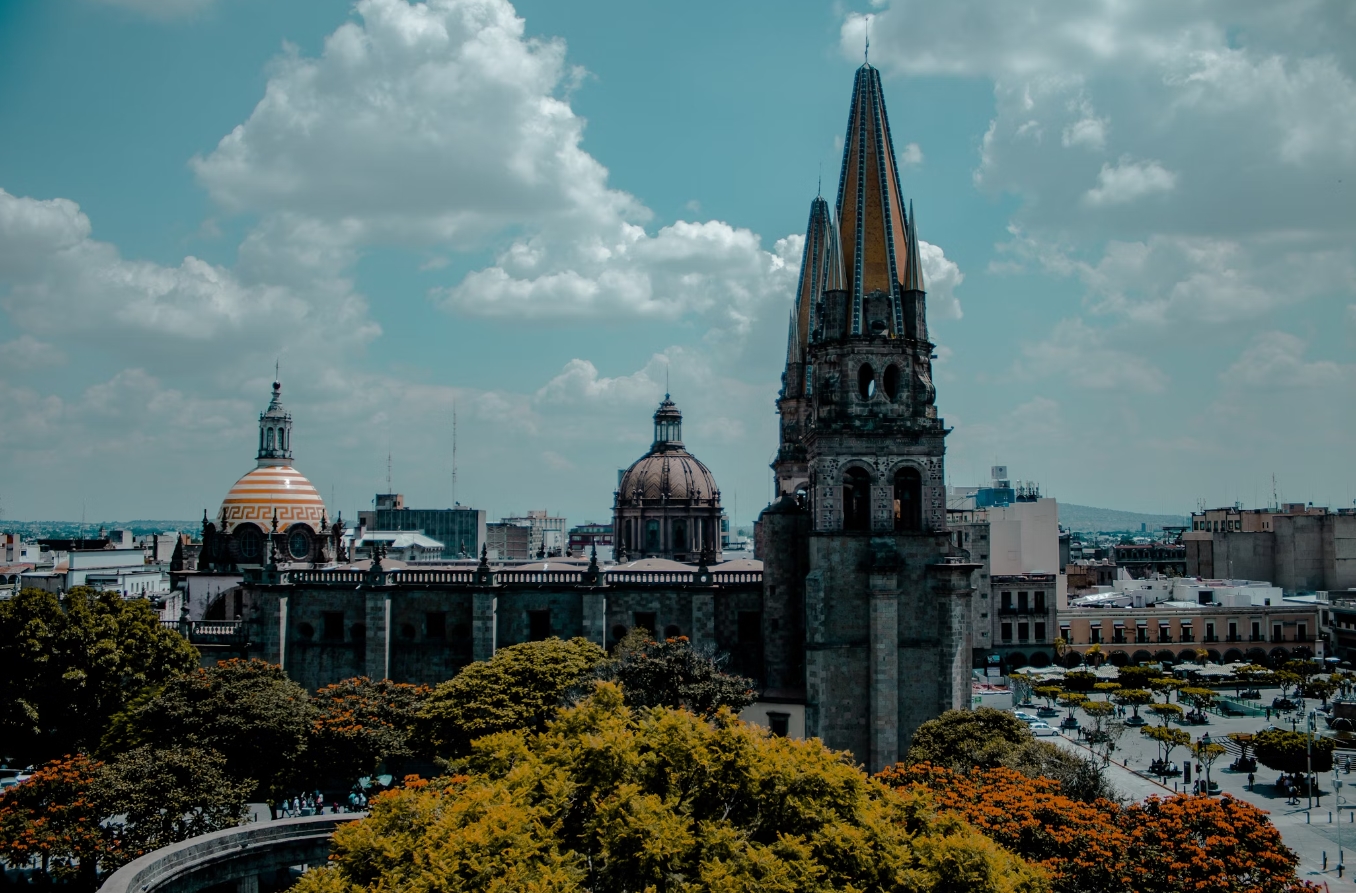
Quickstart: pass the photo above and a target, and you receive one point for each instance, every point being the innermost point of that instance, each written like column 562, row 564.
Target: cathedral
column 852, row 624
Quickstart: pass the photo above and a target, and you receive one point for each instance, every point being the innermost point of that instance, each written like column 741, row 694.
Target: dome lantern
column 668, row 426
column 275, row 432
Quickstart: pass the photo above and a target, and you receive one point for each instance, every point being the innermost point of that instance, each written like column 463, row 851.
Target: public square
column 1310, row 832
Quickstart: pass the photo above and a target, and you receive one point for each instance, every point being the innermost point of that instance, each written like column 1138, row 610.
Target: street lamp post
column 1309, row 759
column 1337, row 796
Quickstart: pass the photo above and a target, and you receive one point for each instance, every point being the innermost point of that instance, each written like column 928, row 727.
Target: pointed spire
column 913, row 270
column 870, row 207
column 821, row 270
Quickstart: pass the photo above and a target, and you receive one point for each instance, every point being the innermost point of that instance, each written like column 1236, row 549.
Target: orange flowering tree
column 1169, row 845
column 361, row 723
column 53, row 819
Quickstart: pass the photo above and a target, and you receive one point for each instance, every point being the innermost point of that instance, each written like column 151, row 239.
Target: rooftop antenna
column 454, row 453
column 666, row 378
column 388, row 470
column 277, row 365
column 866, row 56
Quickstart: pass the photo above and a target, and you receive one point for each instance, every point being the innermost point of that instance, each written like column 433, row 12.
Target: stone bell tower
column 885, row 596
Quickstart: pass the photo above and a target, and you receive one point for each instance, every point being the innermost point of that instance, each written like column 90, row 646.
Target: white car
column 1041, row 728
column 1024, row 717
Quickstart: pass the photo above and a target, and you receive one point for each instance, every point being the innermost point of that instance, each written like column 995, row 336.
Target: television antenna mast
column 454, row 453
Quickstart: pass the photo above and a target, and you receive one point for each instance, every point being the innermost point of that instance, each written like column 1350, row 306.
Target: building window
column 680, row 535
column 779, row 723
column 1096, row 635
column 646, row 620
column 652, row 536
column 1040, row 601
column 1007, row 601
column 1256, row 631
column 435, row 625
column 1210, row 632
column 1276, row 634
column 750, row 627
column 856, row 500
column 332, row 625
column 1302, row 632
column 866, row 381
column 1006, row 632
column 1141, row 634
column 1022, row 604
column 538, row 625
column 908, row 500
column 1040, row 630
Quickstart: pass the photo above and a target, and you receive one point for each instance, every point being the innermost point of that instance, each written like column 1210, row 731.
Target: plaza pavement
column 1310, row 832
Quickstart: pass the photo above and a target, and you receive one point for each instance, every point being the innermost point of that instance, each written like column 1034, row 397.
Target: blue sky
column 1139, row 225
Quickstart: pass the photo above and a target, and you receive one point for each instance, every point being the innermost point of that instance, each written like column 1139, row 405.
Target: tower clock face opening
column 299, row 543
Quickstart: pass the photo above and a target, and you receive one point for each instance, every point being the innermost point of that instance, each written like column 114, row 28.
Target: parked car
column 1041, row 728
column 1024, row 717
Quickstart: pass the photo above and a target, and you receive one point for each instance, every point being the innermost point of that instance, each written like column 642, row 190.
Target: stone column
column 378, row 636
column 484, row 625
column 816, row 671
column 884, row 657
column 593, row 604
column 704, row 619
column 952, row 585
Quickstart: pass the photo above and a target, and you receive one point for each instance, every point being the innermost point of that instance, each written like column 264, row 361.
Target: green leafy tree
column 1198, row 698
column 1165, row 687
column 1133, row 698
column 162, row 797
column 609, row 799
column 1073, row 702
column 1206, row 753
column 1107, row 689
column 519, row 688
column 674, row 674
column 81, row 819
column 1137, row 677
column 1165, row 712
column 976, row 740
column 1305, row 669
column 248, row 711
column 1319, row 688
column 1167, row 739
column 1288, row 752
column 1049, row 694
column 1079, row 681
column 1288, row 681
column 361, row 723
column 67, row 665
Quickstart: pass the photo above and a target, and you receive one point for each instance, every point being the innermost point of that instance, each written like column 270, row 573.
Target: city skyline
column 1141, row 299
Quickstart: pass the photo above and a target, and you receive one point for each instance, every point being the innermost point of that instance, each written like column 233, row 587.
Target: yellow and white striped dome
column 258, row 494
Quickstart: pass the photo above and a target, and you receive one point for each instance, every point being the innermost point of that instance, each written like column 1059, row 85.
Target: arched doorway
column 1279, row 656
column 908, row 500
column 856, row 500
column 1040, row 660
column 1015, row 661
column 1142, row 657
column 1118, row 659
column 1165, row 656
column 1303, row 653
column 1257, row 656
column 1213, row 657
column 1233, row 656
column 1073, row 659
column 1187, row 656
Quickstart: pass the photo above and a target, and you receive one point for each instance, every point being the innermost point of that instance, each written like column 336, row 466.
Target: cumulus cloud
column 1128, row 180
column 1087, row 358
column 911, row 155
column 1276, row 359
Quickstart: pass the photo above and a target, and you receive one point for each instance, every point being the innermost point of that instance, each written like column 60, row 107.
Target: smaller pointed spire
column 913, row 268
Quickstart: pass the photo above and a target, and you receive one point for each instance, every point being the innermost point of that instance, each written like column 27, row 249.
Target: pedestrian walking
column 1251, row 782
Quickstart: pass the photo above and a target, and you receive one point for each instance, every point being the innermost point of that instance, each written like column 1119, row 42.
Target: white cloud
column 911, row 156
column 941, row 276
column 27, row 352
column 1128, row 181
column 1276, row 359
column 1087, row 358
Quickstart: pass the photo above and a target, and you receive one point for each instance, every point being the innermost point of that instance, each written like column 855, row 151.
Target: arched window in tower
column 680, row 535
column 269, row 439
column 856, row 500
column 892, row 382
column 652, row 535
column 908, row 500
column 866, row 381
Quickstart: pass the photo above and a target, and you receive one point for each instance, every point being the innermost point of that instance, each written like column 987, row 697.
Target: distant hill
column 31, row 530
column 1085, row 518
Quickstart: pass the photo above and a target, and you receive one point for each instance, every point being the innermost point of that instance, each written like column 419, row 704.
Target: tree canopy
column 519, row 687
column 609, row 798
column 1170, row 845
column 674, row 673
column 1287, row 751
column 248, row 711
column 67, row 665
column 361, row 723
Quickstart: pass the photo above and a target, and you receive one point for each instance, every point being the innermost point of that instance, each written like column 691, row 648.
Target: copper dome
column 668, row 470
